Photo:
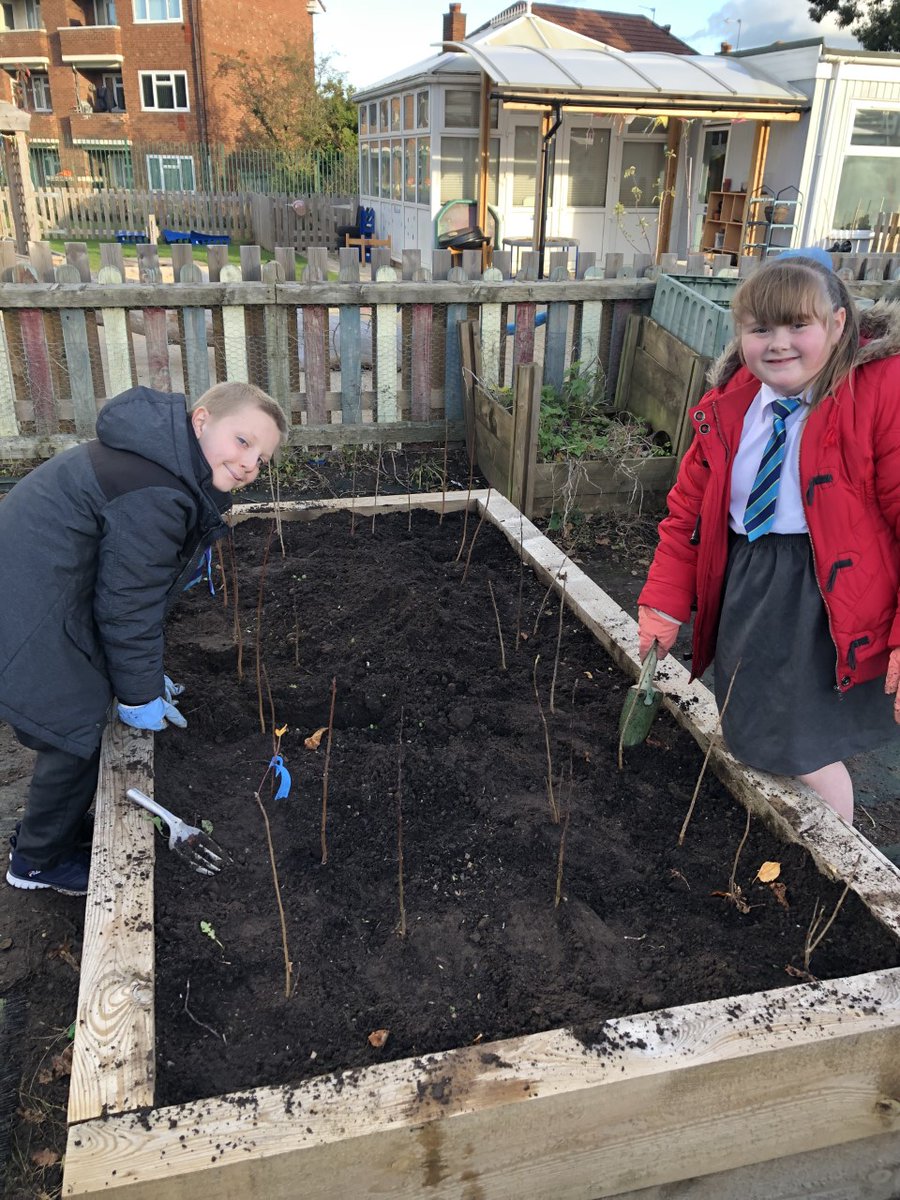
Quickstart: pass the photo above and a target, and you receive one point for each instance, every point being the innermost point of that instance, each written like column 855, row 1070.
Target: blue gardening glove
column 152, row 715
column 172, row 690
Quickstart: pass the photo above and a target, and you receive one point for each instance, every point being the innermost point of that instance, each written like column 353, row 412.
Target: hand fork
column 196, row 847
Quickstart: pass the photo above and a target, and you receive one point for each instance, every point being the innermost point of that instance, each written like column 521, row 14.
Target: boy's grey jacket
column 94, row 544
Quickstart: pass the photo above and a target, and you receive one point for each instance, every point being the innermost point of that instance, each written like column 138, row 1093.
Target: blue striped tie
column 759, row 515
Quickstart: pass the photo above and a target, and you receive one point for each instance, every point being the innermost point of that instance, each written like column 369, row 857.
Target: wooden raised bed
column 693, row 1091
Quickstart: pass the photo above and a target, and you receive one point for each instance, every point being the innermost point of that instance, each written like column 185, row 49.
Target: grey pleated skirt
column 785, row 714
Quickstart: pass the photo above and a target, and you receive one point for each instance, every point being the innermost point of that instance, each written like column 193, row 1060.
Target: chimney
column 454, row 25
column 725, row 48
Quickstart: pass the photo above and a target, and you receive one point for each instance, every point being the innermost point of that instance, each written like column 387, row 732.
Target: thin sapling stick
column 540, row 611
column 221, row 561
column 353, row 494
column 468, row 501
column 275, row 492
column 401, row 927
column 475, row 535
column 444, row 470
column 325, row 773
column 238, row 633
column 288, row 965
column 259, row 608
column 377, row 482
column 565, row 829
column 554, row 807
column 817, row 931
column 521, row 584
column 499, row 629
column 562, row 608
column 709, row 750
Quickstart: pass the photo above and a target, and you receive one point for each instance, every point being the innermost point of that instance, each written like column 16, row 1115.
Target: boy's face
column 237, row 445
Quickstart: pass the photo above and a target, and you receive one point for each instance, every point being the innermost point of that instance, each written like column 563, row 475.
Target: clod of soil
column 487, row 952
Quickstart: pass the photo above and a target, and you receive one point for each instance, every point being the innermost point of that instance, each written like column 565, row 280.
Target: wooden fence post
column 526, row 417
column 234, row 329
column 387, row 401
column 78, row 359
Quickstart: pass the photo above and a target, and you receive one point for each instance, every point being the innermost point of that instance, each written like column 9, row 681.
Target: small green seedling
column 157, row 821
column 206, row 826
column 206, row 927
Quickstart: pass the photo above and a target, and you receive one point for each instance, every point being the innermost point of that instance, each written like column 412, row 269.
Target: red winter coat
column 850, row 482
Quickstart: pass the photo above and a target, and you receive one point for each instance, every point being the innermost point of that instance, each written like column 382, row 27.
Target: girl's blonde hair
column 223, row 399
column 783, row 292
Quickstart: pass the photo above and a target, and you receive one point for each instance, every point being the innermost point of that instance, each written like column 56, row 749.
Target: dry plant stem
column 562, row 609
column 296, row 637
column 462, row 542
column 202, row 1024
column 554, row 807
column 444, row 469
column 475, row 535
column 565, row 829
column 275, row 738
column 544, row 602
column 275, row 492
column 237, row 632
column 521, row 584
column 499, row 629
column 353, row 495
column 284, row 941
column 709, row 750
column 377, row 483
column 325, row 773
column 259, row 608
column 814, row 935
column 734, row 865
column 401, row 928
column 221, row 561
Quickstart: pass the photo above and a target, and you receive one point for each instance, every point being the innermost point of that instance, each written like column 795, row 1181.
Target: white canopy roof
column 533, row 60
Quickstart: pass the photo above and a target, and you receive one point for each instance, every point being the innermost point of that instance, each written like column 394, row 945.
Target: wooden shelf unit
column 725, row 212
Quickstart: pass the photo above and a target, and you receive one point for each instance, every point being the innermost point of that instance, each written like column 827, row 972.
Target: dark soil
column 428, row 726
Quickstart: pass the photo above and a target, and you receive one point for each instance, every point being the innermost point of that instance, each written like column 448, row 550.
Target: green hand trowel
column 641, row 705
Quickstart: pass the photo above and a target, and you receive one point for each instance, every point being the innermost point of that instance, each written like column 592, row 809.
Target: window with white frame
column 459, row 169
column 157, row 10
column 40, row 91
column 44, row 164
column 870, row 173
column 525, row 148
column 105, row 12
column 170, row 172
column 643, row 172
column 165, row 90
column 588, row 166
column 115, row 90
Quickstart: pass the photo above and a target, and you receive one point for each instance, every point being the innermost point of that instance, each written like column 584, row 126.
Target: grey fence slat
column 195, row 352
column 276, row 325
column 555, row 341
column 349, row 339
column 78, row 359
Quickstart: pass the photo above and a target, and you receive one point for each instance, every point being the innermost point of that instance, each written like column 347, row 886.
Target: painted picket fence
column 351, row 361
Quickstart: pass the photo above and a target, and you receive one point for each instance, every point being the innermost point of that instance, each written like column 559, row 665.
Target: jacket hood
column 879, row 334
column 152, row 424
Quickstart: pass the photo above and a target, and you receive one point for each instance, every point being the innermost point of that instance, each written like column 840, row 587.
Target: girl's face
column 789, row 357
column 237, row 445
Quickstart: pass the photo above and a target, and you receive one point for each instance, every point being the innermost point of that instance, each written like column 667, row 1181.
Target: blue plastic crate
column 209, row 239
column 131, row 237
column 174, row 237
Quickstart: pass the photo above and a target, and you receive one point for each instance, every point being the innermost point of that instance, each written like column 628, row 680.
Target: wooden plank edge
column 839, row 850
column 113, row 1056
column 649, row 1099
column 309, row 510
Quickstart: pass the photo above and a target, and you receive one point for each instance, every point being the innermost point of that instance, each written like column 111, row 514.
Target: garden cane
column 641, row 705
column 197, row 848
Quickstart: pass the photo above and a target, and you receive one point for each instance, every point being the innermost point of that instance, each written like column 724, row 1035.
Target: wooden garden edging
column 672, row 1095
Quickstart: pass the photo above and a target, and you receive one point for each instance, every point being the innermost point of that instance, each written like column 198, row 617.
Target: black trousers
column 61, row 792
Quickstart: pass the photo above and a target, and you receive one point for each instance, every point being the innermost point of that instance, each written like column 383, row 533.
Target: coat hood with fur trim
column 879, row 337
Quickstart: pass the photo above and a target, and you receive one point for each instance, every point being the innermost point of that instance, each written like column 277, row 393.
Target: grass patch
column 58, row 246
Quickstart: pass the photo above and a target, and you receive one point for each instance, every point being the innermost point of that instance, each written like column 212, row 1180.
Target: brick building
column 124, row 92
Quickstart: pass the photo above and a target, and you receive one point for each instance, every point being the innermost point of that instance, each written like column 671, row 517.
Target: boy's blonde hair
column 223, row 399
column 801, row 289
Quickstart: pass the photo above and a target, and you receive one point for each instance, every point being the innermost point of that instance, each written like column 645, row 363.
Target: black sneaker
column 69, row 877
column 85, row 834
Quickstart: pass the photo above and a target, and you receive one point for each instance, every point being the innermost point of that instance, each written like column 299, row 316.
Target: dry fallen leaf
column 44, row 1158
column 378, row 1037
column 64, row 952
column 796, row 973
column 768, row 872
column 779, row 892
column 281, row 732
column 312, row 742
column 589, row 675
column 60, row 1064
column 33, row 1116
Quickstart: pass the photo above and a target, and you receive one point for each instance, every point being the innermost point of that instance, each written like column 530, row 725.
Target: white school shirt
column 757, row 429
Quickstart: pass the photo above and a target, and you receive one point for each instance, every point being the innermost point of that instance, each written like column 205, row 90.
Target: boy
column 97, row 543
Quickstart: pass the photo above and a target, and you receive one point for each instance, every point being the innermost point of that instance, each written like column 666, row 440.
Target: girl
column 784, row 529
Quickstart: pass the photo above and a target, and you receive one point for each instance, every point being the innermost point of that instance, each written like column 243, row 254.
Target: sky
column 368, row 41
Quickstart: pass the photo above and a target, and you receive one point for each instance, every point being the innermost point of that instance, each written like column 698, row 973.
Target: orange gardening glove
column 654, row 628
column 892, row 681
